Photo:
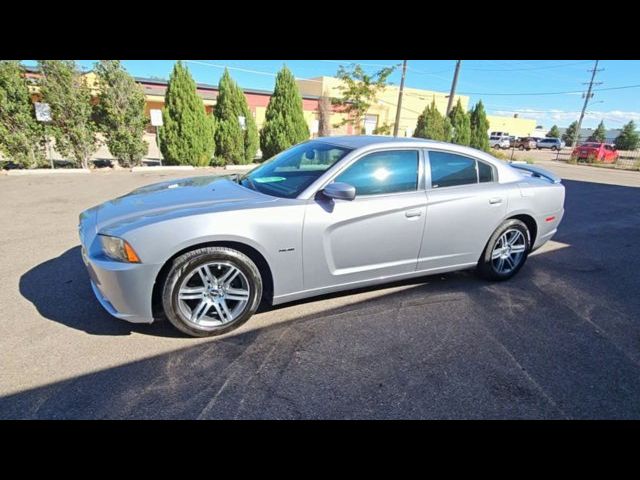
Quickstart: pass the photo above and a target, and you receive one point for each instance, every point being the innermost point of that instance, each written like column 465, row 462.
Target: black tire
column 185, row 264
column 486, row 267
column 521, row 148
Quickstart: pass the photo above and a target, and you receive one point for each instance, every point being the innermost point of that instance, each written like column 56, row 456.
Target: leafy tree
column 284, row 120
column 358, row 92
column 384, row 129
column 569, row 134
column 554, row 132
column 461, row 125
column 628, row 139
column 599, row 134
column 479, row 128
column 431, row 124
column 120, row 112
column 187, row 133
column 20, row 134
column 66, row 91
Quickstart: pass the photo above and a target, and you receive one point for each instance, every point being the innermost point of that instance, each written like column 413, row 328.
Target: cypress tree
column 599, row 134
column 186, row 136
column 569, row 133
column 233, row 143
column 284, row 121
column 479, row 128
column 229, row 134
column 461, row 125
column 431, row 124
column 20, row 133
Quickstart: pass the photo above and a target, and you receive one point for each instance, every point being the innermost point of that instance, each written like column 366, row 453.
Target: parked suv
column 599, row 152
column 525, row 143
column 496, row 141
column 552, row 143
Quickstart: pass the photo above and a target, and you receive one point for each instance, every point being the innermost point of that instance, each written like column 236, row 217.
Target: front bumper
column 123, row 289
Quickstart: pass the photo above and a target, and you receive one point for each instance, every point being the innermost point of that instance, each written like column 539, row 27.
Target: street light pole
column 453, row 86
column 397, row 124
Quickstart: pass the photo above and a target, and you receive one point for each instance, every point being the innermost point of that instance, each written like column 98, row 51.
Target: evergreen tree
column 554, row 132
column 66, row 91
column 186, row 136
column 430, row 124
column 461, row 125
column 229, row 134
column 599, row 134
column 479, row 128
column 284, row 121
column 569, row 133
column 20, row 134
column 120, row 113
column 447, row 129
column 628, row 139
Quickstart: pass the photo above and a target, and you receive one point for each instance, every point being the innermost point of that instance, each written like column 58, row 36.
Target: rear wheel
column 521, row 147
column 210, row 291
column 506, row 251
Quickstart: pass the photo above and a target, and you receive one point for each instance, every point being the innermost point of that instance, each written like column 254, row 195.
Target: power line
column 258, row 72
column 543, row 67
column 569, row 92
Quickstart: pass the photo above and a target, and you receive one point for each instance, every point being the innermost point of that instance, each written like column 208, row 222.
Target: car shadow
column 60, row 290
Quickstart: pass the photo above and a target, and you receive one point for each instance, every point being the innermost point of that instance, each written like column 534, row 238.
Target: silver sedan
column 326, row 215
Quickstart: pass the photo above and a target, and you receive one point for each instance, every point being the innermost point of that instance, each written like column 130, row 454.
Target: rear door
column 465, row 204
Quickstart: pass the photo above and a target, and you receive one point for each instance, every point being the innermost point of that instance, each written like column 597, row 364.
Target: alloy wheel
column 213, row 294
column 508, row 251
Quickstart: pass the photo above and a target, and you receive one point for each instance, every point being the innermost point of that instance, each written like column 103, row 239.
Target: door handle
column 495, row 200
column 412, row 213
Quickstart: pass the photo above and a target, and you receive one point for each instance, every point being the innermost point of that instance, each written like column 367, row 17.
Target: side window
column 485, row 172
column 449, row 170
column 383, row 172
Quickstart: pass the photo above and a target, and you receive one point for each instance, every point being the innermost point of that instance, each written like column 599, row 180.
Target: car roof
column 359, row 141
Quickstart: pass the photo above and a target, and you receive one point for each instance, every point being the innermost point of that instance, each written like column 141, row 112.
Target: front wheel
column 210, row 291
column 506, row 251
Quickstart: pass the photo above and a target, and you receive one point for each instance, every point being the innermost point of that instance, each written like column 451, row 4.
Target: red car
column 599, row 152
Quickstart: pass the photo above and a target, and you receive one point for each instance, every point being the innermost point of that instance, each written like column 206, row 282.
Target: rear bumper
column 547, row 227
column 124, row 290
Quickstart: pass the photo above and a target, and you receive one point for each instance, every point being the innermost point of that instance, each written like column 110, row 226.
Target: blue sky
column 482, row 79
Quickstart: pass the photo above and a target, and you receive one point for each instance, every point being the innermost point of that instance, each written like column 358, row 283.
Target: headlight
column 118, row 249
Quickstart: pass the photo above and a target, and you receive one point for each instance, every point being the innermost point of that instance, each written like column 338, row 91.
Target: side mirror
column 340, row 191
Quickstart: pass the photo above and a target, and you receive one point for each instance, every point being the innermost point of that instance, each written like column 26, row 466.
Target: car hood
column 175, row 198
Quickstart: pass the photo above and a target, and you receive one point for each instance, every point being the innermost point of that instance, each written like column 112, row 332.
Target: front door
column 378, row 234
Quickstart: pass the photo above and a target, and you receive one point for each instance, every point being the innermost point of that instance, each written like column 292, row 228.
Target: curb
column 47, row 171
column 161, row 169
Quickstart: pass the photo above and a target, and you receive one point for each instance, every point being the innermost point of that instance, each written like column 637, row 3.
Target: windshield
column 290, row 172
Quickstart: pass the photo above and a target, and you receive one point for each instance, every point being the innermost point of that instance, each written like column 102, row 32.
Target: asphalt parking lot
column 560, row 340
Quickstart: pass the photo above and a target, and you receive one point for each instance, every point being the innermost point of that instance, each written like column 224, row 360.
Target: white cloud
column 615, row 118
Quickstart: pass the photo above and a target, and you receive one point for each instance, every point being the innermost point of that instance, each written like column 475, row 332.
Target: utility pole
column 397, row 124
column 576, row 137
column 453, row 86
